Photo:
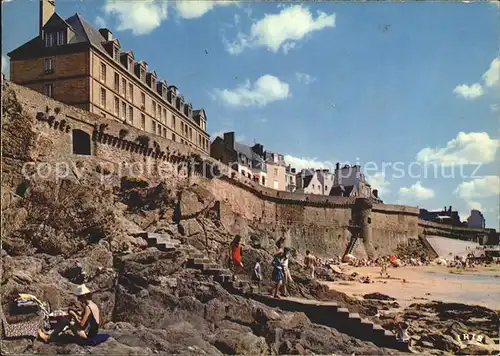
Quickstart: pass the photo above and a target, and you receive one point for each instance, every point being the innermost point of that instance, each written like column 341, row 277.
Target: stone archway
column 81, row 142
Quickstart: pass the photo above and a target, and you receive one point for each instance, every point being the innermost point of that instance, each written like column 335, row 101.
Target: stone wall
column 318, row 223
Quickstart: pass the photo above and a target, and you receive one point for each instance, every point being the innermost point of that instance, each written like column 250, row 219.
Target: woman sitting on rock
column 84, row 325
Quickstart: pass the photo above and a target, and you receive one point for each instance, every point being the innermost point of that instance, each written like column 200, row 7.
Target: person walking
column 236, row 262
column 310, row 263
column 277, row 273
column 257, row 274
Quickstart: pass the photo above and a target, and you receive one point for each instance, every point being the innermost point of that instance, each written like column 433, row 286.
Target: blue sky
column 326, row 82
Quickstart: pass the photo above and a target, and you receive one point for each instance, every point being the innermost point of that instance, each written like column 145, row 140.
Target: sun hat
column 82, row 290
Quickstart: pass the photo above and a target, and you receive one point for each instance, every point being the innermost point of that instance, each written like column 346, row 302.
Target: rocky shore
column 57, row 235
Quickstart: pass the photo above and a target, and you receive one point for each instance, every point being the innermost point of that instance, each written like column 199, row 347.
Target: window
column 130, row 64
column 116, row 53
column 276, row 172
column 164, row 116
column 131, row 114
column 103, row 73
column 153, row 83
column 173, row 137
column 48, row 90
column 124, row 87
column 143, row 74
column 173, row 122
column 131, row 92
column 124, row 110
column 165, row 132
column 117, row 82
column 326, row 188
column 103, row 97
column 143, row 122
column 117, row 106
column 153, row 104
column 48, row 65
column 154, row 126
column 143, row 100
column 60, row 38
column 190, row 134
column 49, row 39
column 313, row 186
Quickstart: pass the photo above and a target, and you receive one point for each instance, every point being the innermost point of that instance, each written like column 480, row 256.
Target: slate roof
column 342, row 190
column 256, row 161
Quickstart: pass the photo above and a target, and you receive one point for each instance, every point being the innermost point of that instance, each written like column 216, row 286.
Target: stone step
column 213, row 271
column 199, row 261
column 223, row 278
column 209, row 266
column 165, row 247
column 197, row 255
column 343, row 312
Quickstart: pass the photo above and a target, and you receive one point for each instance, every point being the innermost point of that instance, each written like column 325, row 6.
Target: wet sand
column 479, row 286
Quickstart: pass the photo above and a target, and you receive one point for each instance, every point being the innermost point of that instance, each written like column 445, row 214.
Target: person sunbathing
column 84, row 325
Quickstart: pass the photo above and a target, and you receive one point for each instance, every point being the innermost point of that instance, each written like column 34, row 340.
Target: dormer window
column 130, row 64
column 116, row 53
column 143, row 74
column 49, row 39
column 60, row 38
column 153, row 83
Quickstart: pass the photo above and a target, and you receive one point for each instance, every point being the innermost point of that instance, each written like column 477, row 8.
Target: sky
column 408, row 90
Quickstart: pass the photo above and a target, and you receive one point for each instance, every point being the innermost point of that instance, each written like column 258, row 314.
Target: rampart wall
column 309, row 221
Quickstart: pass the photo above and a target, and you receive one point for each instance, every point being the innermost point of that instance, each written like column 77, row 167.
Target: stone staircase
column 325, row 313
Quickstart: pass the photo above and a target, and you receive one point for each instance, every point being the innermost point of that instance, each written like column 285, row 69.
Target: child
column 257, row 273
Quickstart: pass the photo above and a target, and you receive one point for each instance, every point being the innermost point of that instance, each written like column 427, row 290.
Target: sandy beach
column 479, row 286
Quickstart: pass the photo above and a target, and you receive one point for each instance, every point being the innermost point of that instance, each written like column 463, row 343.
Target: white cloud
column 265, row 90
column 304, row 78
column 305, row 163
column 144, row 16
column 282, row 30
column 466, row 148
column 492, row 76
column 141, row 17
column 469, row 91
column 377, row 181
column 495, row 107
column 416, row 192
column 491, row 79
column 484, row 187
column 99, row 22
column 191, row 9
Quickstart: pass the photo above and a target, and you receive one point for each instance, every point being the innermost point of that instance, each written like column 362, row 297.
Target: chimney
column 47, row 9
column 229, row 139
column 106, row 33
column 337, row 166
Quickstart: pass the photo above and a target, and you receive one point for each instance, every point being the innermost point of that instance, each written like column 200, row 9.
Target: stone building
column 290, row 179
column 246, row 160
column 276, row 168
column 476, row 219
column 74, row 63
column 350, row 181
column 446, row 216
column 315, row 181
